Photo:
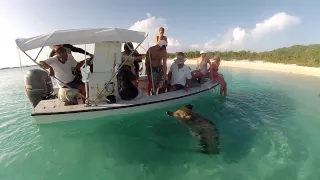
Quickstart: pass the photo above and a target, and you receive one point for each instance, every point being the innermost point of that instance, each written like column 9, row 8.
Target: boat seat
column 69, row 96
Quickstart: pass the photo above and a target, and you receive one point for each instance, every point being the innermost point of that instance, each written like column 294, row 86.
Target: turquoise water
column 269, row 126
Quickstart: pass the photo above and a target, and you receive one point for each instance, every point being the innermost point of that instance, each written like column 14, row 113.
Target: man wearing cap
column 179, row 76
column 156, row 63
column 128, row 83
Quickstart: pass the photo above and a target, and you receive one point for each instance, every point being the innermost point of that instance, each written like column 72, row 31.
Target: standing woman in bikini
column 161, row 36
column 215, row 77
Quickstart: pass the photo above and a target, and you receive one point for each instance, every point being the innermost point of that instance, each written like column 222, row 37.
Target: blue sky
column 190, row 25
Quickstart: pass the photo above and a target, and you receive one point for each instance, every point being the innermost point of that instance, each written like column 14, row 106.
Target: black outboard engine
column 38, row 86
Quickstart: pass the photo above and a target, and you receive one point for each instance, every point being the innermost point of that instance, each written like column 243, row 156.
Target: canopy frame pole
column 151, row 73
column 87, row 103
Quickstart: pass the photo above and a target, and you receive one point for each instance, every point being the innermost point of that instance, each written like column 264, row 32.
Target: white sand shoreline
column 261, row 65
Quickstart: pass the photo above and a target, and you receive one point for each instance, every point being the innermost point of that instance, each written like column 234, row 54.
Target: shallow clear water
column 269, row 126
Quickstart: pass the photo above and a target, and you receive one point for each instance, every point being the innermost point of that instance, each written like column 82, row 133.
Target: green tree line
column 298, row 54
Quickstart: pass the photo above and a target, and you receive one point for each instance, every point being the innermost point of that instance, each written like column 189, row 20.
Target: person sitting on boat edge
column 179, row 75
column 215, row 77
column 202, row 68
column 127, row 83
column 156, row 57
column 62, row 64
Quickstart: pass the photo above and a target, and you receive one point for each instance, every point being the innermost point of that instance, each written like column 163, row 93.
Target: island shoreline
column 263, row 65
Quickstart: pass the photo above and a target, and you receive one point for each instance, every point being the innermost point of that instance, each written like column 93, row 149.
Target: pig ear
column 189, row 106
column 169, row 113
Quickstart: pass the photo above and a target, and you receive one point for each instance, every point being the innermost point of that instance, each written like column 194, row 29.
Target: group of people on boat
column 179, row 76
column 63, row 65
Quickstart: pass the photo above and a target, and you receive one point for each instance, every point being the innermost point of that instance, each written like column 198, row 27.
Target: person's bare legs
column 223, row 86
column 163, row 88
column 82, row 90
column 196, row 74
column 150, row 87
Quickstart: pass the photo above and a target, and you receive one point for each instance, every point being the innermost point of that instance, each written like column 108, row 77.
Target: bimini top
column 80, row 36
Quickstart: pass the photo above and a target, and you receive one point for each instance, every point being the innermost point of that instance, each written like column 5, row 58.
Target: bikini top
column 214, row 70
column 162, row 38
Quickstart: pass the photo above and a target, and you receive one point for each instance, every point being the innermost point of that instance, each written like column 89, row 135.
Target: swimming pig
column 199, row 127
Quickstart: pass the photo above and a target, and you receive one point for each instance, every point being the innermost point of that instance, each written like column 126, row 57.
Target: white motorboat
column 47, row 108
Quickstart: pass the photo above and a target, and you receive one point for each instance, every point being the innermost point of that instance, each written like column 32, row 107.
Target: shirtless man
column 157, row 57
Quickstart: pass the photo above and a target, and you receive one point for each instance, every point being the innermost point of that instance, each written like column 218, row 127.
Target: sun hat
column 203, row 52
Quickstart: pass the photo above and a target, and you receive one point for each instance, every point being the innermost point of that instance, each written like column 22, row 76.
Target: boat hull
column 89, row 113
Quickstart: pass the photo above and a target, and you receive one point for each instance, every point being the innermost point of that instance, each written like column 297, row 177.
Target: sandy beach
column 303, row 70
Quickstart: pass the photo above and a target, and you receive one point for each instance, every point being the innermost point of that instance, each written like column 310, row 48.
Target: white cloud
column 152, row 25
column 195, row 46
column 149, row 15
column 236, row 38
column 277, row 22
column 238, row 35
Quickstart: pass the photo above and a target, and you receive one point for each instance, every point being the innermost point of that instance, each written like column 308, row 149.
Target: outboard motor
column 38, row 86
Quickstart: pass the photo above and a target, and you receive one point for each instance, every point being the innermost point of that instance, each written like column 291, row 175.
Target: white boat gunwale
column 125, row 106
